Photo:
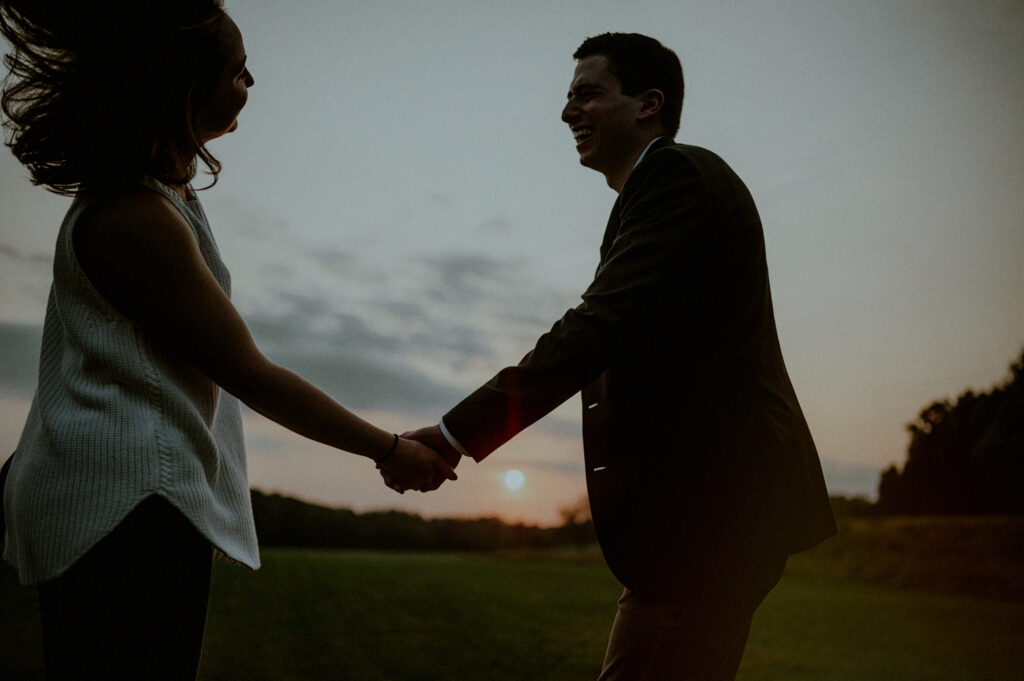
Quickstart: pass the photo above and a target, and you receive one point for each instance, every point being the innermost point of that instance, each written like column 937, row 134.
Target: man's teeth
column 581, row 134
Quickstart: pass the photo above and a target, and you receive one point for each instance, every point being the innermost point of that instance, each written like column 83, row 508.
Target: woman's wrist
column 391, row 450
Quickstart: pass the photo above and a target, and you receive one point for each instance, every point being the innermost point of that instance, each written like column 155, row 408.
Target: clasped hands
column 422, row 461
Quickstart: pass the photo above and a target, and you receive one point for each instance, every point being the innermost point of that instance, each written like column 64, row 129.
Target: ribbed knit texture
column 115, row 420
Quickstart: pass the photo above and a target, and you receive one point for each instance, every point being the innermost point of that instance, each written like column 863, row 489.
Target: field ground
column 366, row 616
column 974, row 556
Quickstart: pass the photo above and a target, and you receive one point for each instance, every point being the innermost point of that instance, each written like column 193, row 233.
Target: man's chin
column 592, row 163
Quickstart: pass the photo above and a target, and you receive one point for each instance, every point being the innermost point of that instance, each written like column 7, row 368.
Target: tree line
column 284, row 521
column 965, row 457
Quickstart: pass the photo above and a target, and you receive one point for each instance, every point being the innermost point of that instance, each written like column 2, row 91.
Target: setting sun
column 514, row 479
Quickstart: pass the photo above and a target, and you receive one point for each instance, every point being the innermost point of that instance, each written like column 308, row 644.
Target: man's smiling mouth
column 581, row 133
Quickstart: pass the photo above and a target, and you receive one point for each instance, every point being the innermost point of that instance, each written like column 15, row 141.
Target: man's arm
column 435, row 438
column 647, row 274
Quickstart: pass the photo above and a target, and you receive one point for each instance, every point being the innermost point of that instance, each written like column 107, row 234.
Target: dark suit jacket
column 697, row 453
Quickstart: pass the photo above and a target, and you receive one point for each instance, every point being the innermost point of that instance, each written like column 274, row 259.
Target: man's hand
column 414, row 465
column 432, row 437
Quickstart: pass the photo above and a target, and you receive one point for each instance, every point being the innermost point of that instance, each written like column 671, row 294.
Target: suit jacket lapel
column 615, row 219
column 611, row 230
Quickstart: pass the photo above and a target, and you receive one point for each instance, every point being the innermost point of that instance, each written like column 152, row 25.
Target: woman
column 130, row 471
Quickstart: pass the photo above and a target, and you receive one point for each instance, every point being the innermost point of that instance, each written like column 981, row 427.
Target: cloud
column 19, row 358
column 361, row 382
column 496, row 225
column 336, row 259
column 309, row 321
column 24, row 284
column 500, row 295
column 456, row 316
column 31, row 258
column 419, row 339
column 409, row 331
column 467, row 278
column 348, row 355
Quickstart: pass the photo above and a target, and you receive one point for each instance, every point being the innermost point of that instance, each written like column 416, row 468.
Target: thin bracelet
column 394, row 446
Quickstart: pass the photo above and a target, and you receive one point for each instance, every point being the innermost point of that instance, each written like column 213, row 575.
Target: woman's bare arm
column 141, row 255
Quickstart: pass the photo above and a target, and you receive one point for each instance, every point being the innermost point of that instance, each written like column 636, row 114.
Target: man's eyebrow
column 582, row 86
column 241, row 64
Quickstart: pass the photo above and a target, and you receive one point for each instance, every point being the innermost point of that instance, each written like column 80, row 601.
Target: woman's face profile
column 219, row 114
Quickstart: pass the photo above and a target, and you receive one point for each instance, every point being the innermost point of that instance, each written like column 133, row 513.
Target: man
column 701, row 470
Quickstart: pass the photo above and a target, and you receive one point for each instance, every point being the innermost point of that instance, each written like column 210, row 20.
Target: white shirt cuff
column 451, row 439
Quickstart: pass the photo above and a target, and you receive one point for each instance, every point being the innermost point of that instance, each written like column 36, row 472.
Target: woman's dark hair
column 101, row 93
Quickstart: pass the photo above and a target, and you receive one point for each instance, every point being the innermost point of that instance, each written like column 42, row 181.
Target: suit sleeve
column 636, row 286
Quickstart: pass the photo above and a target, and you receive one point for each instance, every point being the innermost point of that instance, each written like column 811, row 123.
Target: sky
column 404, row 213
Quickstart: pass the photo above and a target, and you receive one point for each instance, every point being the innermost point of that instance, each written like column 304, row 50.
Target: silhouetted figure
column 130, row 471
column 701, row 470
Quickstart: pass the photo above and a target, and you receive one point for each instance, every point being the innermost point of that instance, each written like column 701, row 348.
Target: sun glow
column 514, row 479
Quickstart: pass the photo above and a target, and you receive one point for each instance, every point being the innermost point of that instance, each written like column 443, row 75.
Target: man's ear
column 651, row 102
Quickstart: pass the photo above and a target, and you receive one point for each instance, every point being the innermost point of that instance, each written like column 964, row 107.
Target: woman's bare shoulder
column 136, row 208
column 131, row 223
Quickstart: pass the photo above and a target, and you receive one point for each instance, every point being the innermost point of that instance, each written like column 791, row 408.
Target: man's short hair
column 641, row 63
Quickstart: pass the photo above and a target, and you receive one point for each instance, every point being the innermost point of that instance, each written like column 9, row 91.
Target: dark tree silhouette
column 283, row 521
column 577, row 523
column 965, row 456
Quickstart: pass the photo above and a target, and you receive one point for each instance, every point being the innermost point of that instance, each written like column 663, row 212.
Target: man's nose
column 568, row 111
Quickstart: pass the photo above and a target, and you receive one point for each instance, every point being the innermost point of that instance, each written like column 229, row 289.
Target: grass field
column 976, row 556
column 329, row 615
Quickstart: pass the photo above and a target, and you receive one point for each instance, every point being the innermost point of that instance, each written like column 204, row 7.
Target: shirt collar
column 646, row 149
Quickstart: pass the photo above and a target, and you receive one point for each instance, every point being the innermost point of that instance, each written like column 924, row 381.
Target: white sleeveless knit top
column 115, row 420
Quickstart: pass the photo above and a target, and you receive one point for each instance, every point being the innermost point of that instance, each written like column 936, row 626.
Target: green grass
column 368, row 616
column 977, row 556
column 821, row 630
column 329, row 615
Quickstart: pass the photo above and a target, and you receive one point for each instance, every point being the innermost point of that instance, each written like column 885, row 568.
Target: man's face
column 602, row 119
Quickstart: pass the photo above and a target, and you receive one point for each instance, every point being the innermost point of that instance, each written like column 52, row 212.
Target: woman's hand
column 415, row 466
